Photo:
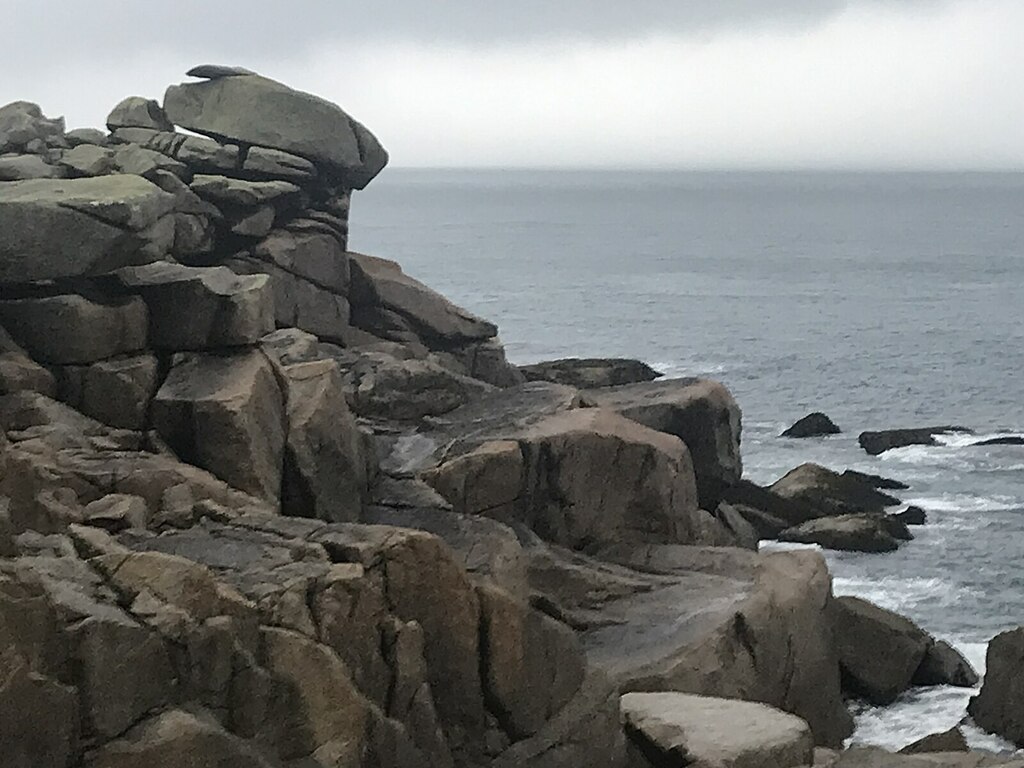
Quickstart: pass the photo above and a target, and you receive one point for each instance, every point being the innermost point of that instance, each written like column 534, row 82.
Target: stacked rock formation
column 266, row 502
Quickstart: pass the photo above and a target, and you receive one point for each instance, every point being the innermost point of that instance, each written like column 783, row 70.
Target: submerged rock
column 815, row 424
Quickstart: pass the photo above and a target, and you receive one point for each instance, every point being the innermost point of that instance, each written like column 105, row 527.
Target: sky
column 701, row 84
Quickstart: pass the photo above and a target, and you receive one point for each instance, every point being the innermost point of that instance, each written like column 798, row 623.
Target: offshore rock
column 814, row 424
column 590, row 373
column 847, row 533
column 831, row 493
column 876, row 443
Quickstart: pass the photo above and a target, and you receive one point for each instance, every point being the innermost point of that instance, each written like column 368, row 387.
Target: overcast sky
column 597, row 83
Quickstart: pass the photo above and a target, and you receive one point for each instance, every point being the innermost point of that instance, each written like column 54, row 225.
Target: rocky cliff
column 269, row 502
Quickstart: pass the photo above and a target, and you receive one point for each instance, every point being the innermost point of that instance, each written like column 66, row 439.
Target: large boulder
column 225, row 413
column 683, row 729
column 590, row 373
column 831, row 493
column 945, row 665
column 815, row 424
column 999, row 707
column 876, row 443
column 584, row 478
column 848, row 533
column 197, row 308
column 700, row 412
column 73, row 227
column 138, row 112
column 250, row 109
column 879, row 651
column 69, row 329
column 116, row 391
column 18, row 371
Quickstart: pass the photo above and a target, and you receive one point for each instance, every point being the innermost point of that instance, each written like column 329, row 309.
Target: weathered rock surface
column 73, row 227
column 199, row 308
column 815, row 424
column 69, row 329
column 20, row 372
column 590, row 373
column 879, row 651
column 999, row 708
column 225, row 413
column 116, row 391
column 876, row 443
column 700, row 412
column 138, row 112
column 681, row 729
column 256, row 110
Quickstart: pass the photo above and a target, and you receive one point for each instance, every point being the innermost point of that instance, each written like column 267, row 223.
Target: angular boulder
column 700, row 412
column 879, row 650
column 225, row 413
column 255, row 110
column 999, row 707
column 226, row 190
column 198, row 308
column 116, row 391
column 948, row 741
column 684, row 729
column 945, row 665
column 138, row 112
column 815, row 424
column 19, row 372
column 590, row 373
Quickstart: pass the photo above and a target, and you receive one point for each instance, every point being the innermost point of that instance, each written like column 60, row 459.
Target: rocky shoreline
column 268, row 502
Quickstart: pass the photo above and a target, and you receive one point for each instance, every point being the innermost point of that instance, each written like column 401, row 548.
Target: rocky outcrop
column 815, row 424
column 877, row 443
column 830, row 493
column 912, row 515
column 590, row 373
column 945, row 665
column 999, row 707
column 680, row 729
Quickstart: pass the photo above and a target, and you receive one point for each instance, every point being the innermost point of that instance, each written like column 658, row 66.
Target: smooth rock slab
column 72, row 227
column 704, row 732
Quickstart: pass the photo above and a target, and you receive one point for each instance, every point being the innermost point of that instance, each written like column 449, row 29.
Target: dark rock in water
column 814, row 424
column 945, row 665
column 590, row 373
column 1010, row 440
column 911, row 516
column 999, row 708
column 948, row 741
column 879, row 651
column 880, row 442
column 877, row 481
column 831, row 493
column 848, row 533
column 766, row 509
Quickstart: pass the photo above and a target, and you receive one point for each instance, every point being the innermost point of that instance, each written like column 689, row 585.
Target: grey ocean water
column 885, row 300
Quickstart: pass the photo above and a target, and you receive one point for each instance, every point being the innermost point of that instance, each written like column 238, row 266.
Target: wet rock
column 256, row 110
column 831, row 493
column 700, row 412
column 944, row 665
column 948, row 741
column 879, row 651
column 876, row 443
column 999, row 707
column 849, row 533
column 815, row 424
column 138, row 112
column 197, row 308
column 69, row 329
column 74, row 227
column 912, row 516
column 225, row 413
column 682, row 729
column 1007, row 440
column 590, row 373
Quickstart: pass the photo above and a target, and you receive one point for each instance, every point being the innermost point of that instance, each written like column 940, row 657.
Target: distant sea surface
column 885, row 300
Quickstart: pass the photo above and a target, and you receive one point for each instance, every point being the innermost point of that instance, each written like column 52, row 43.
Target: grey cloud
column 109, row 29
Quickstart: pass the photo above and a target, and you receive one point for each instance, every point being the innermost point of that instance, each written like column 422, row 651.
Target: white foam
column 966, row 439
column 965, row 502
column 904, row 594
column 682, row 369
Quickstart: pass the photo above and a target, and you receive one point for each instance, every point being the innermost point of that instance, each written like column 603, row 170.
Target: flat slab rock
column 705, row 732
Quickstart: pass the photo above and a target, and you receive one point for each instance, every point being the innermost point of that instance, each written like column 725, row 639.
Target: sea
column 885, row 300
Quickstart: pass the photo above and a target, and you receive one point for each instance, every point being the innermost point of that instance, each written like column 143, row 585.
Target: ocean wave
column 904, row 594
column 966, row 502
column 681, row 370
column 964, row 440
